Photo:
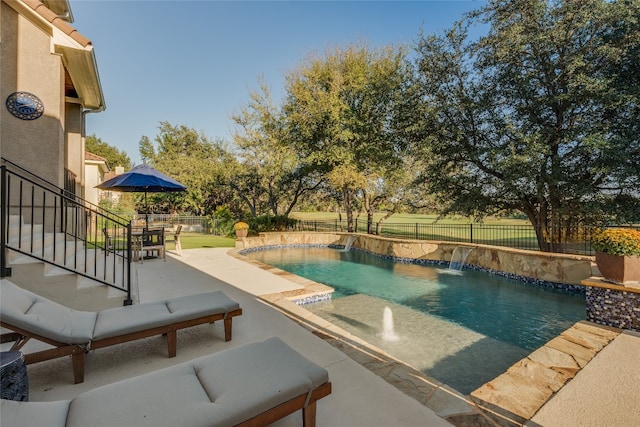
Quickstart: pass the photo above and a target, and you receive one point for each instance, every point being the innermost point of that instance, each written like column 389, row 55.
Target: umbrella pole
column 146, row 210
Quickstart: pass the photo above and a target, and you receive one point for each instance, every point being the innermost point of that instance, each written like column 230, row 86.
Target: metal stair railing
column 45, row 222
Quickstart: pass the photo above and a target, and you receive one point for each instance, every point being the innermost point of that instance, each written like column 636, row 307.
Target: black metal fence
column 513, row 236
column 190, row 223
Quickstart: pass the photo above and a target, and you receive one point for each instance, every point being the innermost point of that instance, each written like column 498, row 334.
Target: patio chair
column 254, row 384
column 176, row 240
column 153, row 241
column 74, row 333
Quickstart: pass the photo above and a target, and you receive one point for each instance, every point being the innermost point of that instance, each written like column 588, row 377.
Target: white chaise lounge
column 250, row 385
column 72, row 332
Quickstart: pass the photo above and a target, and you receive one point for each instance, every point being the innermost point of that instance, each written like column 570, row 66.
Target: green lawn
column 195, row 240
column 499, row 231
column 406, row 218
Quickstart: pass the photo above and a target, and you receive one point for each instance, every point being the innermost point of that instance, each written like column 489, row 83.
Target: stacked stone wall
column 530, row 265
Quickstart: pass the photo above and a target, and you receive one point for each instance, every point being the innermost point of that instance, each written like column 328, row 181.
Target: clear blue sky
column 194, row 63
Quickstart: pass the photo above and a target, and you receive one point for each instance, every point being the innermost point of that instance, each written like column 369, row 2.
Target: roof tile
column 58, row 22
column 91, row 156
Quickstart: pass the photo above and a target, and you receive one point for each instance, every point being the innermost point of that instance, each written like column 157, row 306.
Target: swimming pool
column 462, row 330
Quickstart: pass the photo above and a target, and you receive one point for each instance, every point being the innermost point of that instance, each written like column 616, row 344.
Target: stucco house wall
column 27, row 65
column 44, row 55
column 95, row 169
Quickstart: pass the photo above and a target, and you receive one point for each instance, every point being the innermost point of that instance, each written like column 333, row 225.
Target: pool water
column 461, row 329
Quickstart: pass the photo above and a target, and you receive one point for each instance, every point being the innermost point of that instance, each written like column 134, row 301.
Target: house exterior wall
column 44, row 55
column 74, row 143
column 94, row 175
column 28, row 65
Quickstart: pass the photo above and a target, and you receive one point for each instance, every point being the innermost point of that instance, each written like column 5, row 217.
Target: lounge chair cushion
column 122, row 320
column 261, row 376
column 35, row 413
column 29, row 311
column 222, row 389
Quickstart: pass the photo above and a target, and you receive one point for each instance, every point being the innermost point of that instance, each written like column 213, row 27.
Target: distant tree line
column 540, row 116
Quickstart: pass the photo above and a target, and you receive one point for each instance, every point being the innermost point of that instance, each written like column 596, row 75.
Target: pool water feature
column 458, row 257
column 388, row 328
column 461, row 330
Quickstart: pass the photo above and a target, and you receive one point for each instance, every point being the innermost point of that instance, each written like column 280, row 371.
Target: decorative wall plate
column 25, row 105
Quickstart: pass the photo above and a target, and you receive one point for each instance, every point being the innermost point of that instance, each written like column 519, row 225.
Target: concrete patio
column 370, row 388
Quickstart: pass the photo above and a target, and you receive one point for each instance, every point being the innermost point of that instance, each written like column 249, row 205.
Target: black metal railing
column 42, row 221
column 513, row 236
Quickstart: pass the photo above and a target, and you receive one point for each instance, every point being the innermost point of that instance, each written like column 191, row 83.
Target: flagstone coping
column 530, row 383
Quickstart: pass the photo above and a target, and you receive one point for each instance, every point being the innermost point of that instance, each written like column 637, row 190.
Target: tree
column 338, row 113
column 193, row 160
column 540, row 115
column 114, row 157
column 271, row 175
column 146, row 149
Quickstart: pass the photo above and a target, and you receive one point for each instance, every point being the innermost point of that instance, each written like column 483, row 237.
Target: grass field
column 510, row 232
column 195, row 240
column 405, row 218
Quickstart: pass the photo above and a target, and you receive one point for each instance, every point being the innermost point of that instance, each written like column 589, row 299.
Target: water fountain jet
column 388, row 332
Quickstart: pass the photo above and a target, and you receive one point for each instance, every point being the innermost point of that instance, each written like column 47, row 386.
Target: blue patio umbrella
column 142, row 179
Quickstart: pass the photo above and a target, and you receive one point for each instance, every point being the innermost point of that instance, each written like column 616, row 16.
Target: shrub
column 272, row 223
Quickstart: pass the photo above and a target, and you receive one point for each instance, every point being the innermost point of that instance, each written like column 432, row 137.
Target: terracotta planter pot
column 242, row 233
column 619, row 269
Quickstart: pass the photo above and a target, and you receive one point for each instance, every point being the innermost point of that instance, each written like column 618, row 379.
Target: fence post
column 471, row 233
column 416, row 231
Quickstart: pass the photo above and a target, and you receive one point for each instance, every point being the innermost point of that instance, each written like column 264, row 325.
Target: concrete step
column 64, row 289
column 71, row 257
column 92, row 261
column 58, row 252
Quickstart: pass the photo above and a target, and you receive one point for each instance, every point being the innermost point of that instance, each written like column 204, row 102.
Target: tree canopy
column 271, row 176
column 540, row 115
column 113, row 155
column 537, row 116
column 195, row 161
column 338, row 112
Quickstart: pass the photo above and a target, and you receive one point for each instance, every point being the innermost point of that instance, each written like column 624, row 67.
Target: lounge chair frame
column 298, row 384
column 21, row 337
column 78, row 351
column 306, row 402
